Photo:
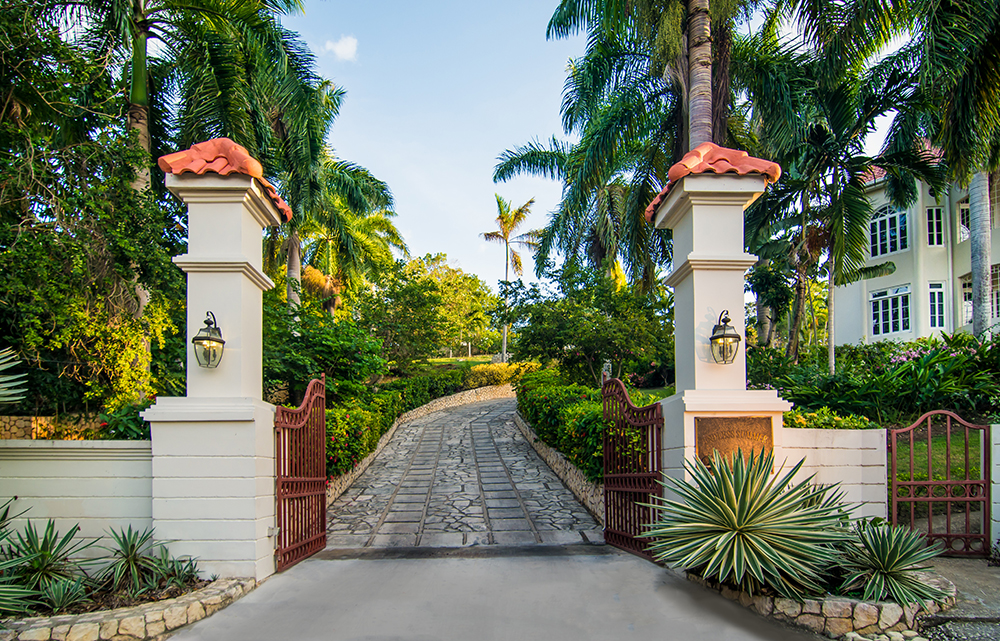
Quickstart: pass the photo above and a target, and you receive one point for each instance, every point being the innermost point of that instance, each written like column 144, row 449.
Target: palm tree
column 344, row 190
column 828, row 111
column 958, row 47
column 216, row 56
column 508, row 220
column 626, row 117
column 344, row 249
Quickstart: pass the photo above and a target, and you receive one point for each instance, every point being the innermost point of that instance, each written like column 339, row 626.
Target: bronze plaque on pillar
column 729, row 433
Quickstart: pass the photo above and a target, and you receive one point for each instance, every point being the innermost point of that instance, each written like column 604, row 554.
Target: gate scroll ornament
column 632, row 464
column 300, row 477
column 956, row 499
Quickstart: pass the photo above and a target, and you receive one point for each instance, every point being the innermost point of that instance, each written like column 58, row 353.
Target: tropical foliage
column 41, row 573
column 738, row 524
column 883, row 560
column 594, row 320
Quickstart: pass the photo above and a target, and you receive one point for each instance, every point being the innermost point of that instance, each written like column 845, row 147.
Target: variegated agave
column 738, row 524
column 884, row 560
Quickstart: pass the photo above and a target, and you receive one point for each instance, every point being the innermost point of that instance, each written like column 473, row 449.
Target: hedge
column 569, row 417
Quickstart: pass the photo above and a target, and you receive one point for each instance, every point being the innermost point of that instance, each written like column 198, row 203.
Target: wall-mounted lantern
column 208, row 343
column 725, row 340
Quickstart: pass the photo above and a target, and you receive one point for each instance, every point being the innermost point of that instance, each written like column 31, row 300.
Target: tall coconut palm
column 215, row 55
column 508, row 220
column 958, row 43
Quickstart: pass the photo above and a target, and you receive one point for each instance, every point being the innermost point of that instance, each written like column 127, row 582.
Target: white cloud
column 344, row 49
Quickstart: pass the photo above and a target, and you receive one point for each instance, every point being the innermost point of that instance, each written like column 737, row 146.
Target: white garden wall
column 854, row 458
column 98, row 484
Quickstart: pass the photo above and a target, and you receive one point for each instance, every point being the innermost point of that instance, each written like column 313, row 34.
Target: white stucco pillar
column 704, row 210
column 213, row 450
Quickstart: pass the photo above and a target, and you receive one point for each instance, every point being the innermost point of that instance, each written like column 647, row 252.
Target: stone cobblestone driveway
column 459, row 477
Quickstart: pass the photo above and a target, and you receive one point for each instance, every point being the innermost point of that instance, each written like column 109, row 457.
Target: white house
column 931, row 289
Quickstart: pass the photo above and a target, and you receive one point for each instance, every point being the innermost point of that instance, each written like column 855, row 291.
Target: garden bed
column 147, row 621
column 837, row 617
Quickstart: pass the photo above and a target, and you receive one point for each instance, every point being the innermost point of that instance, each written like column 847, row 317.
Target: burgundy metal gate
column 632, row 463
column 947, row 494
column 300, row 468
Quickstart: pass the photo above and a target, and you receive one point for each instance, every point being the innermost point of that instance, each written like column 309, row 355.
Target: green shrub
column 826, row 419
column 738, row 525
column 580, row 437
column 497, row 373
column 883, row 560
column 125, row 423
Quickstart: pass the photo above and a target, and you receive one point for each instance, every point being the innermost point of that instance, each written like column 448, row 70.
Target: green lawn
column 938, row 454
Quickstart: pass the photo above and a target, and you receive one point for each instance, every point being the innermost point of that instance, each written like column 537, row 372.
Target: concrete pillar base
column 213, row 482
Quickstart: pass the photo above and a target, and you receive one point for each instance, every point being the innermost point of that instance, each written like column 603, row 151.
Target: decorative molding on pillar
column 183, row 409
column 702, row 400
column 235, row 188
column 707, row 190
column 704, row 262
column 225, row 264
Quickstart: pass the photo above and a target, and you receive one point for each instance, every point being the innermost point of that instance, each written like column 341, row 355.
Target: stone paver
column 459, row 477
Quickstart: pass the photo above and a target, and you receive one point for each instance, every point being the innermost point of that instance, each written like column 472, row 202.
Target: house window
column 935, row 227
column 994, row 294
column 937, row 305
column 891, row 311
column 888, row 231
column 967, row 299
column 964, row 222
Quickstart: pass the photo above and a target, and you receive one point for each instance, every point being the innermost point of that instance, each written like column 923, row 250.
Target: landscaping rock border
column 147, row 621
column 587, row 492
column 838, row 617
column 339, row 485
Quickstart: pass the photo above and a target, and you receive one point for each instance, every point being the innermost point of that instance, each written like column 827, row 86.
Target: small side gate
column 939, row 481
column 300, row 467
column 632, row 464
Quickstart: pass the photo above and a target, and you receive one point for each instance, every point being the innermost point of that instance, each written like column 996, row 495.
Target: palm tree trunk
column 798, row 311
column 506, row 277
column 721, row 45
column 700, row 72
column 138, row 98
column 293, row 275
column 979, row 213
column 830, row 353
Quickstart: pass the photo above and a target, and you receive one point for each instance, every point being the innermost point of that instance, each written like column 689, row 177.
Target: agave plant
column 884, row 560
column 10, row 392
column 131, row 563
column 14, row 598
column 739, row 525
column 39, row 560
column 63, row 594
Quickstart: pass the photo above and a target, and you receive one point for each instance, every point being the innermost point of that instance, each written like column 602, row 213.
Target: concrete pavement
column 551, row 596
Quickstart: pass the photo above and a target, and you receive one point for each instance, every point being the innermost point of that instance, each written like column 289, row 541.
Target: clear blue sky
column 436, row 90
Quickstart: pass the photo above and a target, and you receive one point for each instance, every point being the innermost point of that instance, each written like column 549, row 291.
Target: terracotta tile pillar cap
column 709, row 157
column 224, row 157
